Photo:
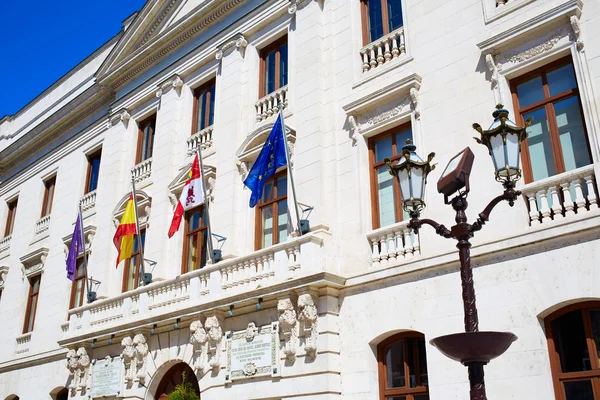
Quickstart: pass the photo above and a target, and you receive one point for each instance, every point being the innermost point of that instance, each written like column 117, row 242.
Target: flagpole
column 88, row 283
column 206, row 201
column 287, row 153
column 139, row 232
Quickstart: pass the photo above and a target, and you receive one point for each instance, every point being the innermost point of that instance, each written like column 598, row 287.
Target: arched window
column 403, row 367
column 573, row 340
column 173, row 377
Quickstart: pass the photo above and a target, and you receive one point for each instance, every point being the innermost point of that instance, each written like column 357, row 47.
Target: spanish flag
column 126, row 232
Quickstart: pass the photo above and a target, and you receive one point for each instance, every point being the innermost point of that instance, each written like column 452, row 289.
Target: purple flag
column 74, row 250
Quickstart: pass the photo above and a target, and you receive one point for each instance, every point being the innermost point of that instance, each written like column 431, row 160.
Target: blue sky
column 40, row 41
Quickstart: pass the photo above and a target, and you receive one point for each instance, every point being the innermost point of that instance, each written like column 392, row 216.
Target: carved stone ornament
column 288, row 324
column 243, row 168
column 214, row 330
column 354, row 130
column 294, row 5
column 119, row 116
column 141, row 353
column 491, row 65
column 33, row 263
column 199, row 340
column 3, row 275
column 576, row 30
column 383, row 113
column 128, row 355
column 308, row 323
column 79, row 364
column 251, row 331
column 414, row 98
column 238, row 42
column 520, row 56
column 174, row 82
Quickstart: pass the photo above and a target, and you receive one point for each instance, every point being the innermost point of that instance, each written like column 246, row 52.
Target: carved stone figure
column 72, row 367
column 215, row 338
column 128, row 355
column 141, row 351
column 83, row 369
column 308, row 323
column 199, row 339
column 289, row 327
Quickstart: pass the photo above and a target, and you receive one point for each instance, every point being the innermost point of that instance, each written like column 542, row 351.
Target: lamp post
column 503, row 139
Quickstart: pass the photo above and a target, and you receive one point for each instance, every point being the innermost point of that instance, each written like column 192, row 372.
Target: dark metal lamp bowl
column 472, row 347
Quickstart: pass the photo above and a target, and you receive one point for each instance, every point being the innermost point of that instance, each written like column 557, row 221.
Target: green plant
column 183, row 391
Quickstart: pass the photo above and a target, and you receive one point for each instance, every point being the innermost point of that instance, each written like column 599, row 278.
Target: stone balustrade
column 262, row 268
column 42, row 225
column 88, row 201
column 23, row 342
column 561, row 196
column 199, row 141
column 383, row 50
column 271, row 104
column 393, row 243
column 142, row 170
column 5, row 244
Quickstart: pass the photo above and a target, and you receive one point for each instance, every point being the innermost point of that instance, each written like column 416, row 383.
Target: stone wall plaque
column 253, row 352
column 107, row 377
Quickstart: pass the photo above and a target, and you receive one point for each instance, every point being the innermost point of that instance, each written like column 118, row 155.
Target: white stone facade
column 338, row 291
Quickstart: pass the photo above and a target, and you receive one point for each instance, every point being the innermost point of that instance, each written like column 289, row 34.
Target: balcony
column 561, row 196
column 23, row 342
column 200, row 141
column 384, row 50
column 5, row 246
column 271, row 104
column 142, row 170
column 215, row 284
column 88, row 201
column 42, row 225
column 393, row 243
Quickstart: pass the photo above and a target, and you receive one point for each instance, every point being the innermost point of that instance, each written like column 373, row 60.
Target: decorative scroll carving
column 174, row 82
column 308, row 323
column 414, row 98
column 294, row 5
column 520, row 56
column 251, row 331
column 119, row 116
column 128, row 355
column 199, row 339
column 383, row 113
column 210, row 187
column 493, row 68
column 78, row 364
column 212, row 325
column 576, row 30
column 33, row 263
column 243, row 168
column 141, row 351
column 238, row 42
column 3, row 274
column 354, row 131
column 289, row 327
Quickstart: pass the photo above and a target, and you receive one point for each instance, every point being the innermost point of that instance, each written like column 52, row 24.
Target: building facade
column 343, row 311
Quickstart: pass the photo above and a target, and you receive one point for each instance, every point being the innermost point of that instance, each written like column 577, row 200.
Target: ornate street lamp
column 472, row 348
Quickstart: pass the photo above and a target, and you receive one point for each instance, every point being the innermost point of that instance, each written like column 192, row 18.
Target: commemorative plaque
column 107, row 377
column 253, row 352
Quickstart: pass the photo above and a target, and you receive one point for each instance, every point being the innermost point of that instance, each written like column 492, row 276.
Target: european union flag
column 271, row 157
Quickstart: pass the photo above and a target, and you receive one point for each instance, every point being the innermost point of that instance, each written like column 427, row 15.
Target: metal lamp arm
column 416, row 223
column 510, row 195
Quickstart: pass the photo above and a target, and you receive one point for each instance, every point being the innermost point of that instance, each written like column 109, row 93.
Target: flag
column 74, row 250
column 191, row 196
column 271, row 157
column 126, row 231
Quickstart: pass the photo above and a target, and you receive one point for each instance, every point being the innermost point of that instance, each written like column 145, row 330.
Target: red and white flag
column 191, row 196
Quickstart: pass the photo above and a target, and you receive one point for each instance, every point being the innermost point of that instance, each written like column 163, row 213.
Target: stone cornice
column 33, row 360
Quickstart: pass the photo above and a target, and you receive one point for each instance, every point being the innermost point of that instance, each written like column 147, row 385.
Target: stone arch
column 59, row 393
column 167, row 376
column 144, row 203
column 12, row 397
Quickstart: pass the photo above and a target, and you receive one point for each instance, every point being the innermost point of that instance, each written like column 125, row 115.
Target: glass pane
column 80, row 268
column 394, row 365
column 204, row 249
column 561, row 80
column 78, row 293
column 131, row 283
column 283, row 65
column 579, row 390
column 282, row 186
column 192, row 260
column 530, row 92
column 95, row 171
column 36, row 285
column 395, row 14
column 268, row 192
column 385, row 197
column 211, row 112
column 570, row 342
column 383, row 149
column 401, row 139
column 595, row 320
column 282, row 220
column 375, row 20
column 424, row 379
column 267, row 226
column 194, row 221
column 202, row 110
column 410, row 361
column 270, row 73
column 540, row 148
column 31, row 315
column 421, row 397
column 573, row 140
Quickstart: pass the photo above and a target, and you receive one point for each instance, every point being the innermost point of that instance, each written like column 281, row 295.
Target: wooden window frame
column 373, row 175
column 260, row 205
column 199, row 248
column 384, row 392
column 49, row 189
column 10, row 218
column 548, row 105
column 150, row 144
column 127, row 262
column 30, row 296
column 276, row 45
column 558, row 377
column 74, row 286
column 88, row 179
column 364, row 14
column 211, row 99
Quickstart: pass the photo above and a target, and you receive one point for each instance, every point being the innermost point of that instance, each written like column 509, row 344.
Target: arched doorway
column 173, row 377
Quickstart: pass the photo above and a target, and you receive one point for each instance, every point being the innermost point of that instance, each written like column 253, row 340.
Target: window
column 403, row 367
column 78, row 287
column 196, row 235
column 93, row 171
column 32, row 301
column 274, row 67
column 271, row 212
column 146, row 139
column 48, row 196
column 131, row 273
column 380, row 17
column 10, row 219
column 204, row 106
column 573, row 335
column 557, row 139
column 385, row 190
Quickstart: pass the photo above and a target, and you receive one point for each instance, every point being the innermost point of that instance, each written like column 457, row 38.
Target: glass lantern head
column 411, row 172
column 503, row 139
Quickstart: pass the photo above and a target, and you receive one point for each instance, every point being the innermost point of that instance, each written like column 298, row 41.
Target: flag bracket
column 218, row 253
column 304, row 222
column 147, row 276
column 93, row 286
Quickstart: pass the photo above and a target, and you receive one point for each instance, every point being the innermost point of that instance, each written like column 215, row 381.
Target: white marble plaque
column 253, row 352
column 107, row 377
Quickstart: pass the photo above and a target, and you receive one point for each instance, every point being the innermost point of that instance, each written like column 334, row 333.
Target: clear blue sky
column 40, row 41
